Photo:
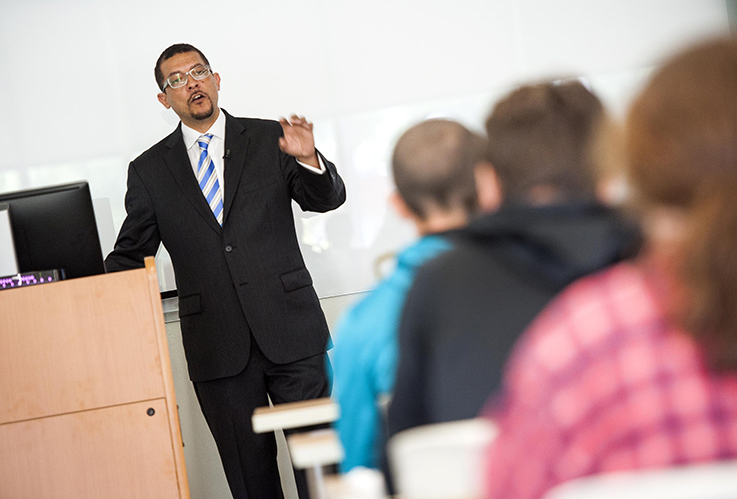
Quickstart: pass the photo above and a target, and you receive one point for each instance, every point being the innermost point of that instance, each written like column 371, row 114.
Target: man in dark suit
column 217, row 193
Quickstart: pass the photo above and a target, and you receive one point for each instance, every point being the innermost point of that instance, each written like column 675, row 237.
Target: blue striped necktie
column 207, row 177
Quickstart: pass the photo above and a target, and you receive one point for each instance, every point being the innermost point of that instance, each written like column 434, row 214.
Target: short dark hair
column 540, row 135
column 433, row 165
column 177, row 48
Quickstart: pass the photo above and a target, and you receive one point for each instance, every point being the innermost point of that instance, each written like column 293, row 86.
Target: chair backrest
column 441, row 460
column 716, row 480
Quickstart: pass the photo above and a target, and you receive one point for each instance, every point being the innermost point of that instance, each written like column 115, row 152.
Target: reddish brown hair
column 681, row 141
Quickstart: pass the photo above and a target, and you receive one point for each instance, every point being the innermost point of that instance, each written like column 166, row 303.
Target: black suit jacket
column 247, row 275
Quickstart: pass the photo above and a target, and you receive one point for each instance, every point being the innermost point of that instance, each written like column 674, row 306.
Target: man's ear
column 164, row 101
column 400, row 206
column 217, row 79
column 488, row 187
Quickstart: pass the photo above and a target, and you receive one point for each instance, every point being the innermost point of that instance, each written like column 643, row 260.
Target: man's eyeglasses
column 178, row 80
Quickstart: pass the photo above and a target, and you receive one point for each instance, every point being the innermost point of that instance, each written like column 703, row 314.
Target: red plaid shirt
column 602, row 382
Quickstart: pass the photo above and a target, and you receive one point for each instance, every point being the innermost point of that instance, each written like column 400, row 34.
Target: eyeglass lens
column 198, row 72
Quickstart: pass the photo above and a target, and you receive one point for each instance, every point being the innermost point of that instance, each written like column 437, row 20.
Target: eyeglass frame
column 187, row 75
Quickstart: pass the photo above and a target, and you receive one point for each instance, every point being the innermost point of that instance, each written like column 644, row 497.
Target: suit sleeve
column 312, row 191
column 139, row 235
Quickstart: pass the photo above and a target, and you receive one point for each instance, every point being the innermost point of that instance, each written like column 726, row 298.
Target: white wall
column 80, row 99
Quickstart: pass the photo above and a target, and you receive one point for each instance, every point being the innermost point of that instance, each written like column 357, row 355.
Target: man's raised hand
column 298, row 140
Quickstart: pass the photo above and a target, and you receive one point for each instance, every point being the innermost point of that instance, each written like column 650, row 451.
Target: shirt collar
column 190, row 135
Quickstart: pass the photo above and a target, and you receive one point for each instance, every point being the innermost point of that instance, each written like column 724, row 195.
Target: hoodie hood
column 554, row 245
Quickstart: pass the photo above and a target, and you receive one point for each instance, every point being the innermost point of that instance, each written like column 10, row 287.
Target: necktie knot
column 204, row 141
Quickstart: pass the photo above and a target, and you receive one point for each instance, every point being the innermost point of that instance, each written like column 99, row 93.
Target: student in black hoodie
column 467, row 307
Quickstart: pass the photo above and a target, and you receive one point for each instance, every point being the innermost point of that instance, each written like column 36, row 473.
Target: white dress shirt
column 216, row 149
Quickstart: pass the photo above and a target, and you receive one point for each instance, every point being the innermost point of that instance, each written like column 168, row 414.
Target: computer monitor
column 54, row 228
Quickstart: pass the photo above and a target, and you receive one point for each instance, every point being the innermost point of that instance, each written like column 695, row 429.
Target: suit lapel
column 236, row 144
column 177, row 161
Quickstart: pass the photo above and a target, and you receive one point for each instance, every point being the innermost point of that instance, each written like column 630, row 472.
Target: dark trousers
column 249, row 459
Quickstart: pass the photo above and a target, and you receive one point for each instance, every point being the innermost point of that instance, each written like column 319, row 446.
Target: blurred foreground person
column 636, row 367
column 468, row 306
column 433, row 166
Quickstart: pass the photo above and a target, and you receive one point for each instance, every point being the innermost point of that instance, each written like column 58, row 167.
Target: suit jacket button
column 228, row 248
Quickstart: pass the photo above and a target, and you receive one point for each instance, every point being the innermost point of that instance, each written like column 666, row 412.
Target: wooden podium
column 87, row 406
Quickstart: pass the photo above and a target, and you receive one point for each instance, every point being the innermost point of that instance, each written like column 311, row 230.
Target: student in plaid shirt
column 636, row 367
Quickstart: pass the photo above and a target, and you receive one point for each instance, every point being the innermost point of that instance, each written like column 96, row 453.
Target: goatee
column 204, row 114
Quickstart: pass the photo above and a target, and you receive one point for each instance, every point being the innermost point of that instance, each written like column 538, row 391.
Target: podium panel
column 117, row 453
column 87, row 404
column 78, row 344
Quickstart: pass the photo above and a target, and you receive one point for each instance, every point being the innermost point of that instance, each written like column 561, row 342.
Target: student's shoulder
column 451, row 254
column 583, row 318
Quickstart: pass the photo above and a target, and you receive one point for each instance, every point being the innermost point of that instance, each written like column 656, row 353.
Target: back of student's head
column 681, row 140
column 433, row 166
column 538, row 142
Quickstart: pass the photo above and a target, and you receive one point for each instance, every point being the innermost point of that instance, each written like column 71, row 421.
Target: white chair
column 716, row 480
column 312, row 450
column 442, row 460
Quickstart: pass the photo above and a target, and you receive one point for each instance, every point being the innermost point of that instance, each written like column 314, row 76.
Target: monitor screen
column 54, row 229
